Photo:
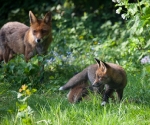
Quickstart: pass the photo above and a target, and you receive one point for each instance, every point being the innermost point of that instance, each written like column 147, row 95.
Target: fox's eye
column 44, row 31
column 99, row 77
column 34, row 31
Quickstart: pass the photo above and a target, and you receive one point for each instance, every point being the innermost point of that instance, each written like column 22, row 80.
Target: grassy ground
column 54, row 109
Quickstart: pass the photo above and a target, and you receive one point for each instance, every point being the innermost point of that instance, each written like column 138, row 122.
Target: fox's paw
column 103, row 103
column 61, row 88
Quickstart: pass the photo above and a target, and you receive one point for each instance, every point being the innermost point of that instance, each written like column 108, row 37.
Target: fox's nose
column 95, row 83
column 38, row 40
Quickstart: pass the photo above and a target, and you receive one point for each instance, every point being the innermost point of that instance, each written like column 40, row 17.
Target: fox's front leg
column 107, row 94
column 28, row 53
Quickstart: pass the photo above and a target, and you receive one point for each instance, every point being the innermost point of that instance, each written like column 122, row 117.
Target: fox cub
column 17, row 38
column 105, row 78
column 113, row 77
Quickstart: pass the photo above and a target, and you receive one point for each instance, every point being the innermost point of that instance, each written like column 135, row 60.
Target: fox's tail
column 77, row 79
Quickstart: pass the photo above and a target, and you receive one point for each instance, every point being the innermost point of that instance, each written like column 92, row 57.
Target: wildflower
column 28, row 92
column 118, row 10
column 118, row 1
column 114, row 1
column 73, row 14
column 123, row 16
column 24, row 87
column 20, row 90
column 145, row 60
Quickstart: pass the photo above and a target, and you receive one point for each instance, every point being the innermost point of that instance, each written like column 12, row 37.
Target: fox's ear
column 48, row 17
column 98, row 62
column 101, row 65
column 32, row 17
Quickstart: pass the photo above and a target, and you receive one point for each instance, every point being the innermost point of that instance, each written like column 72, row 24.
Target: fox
column 80, row 85
column 18, row 38
column 114, row 78
column 77, row 93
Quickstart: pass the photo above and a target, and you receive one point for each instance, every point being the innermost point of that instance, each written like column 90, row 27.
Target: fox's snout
column 38, row 40
column 96, row 83
column 38, row 37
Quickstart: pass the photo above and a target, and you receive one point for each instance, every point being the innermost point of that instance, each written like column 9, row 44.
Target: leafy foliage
column 24, row 111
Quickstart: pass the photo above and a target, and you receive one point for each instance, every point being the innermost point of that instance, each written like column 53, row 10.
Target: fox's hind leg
column 6, row 54
column 120, row 94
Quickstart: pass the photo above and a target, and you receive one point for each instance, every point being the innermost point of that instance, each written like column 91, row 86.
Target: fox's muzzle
column 96, row 84
column 38, row 40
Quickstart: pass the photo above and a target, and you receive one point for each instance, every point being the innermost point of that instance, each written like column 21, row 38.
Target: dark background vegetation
column 18, row 10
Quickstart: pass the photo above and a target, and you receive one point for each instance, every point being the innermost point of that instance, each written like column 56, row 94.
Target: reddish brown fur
column 17, row 38
column 78, row 92
column 113, row 77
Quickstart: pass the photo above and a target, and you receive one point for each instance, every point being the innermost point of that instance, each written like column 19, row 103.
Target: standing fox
column 79, row 86
column 105, row 78
column 17, row 38
column 113, row 77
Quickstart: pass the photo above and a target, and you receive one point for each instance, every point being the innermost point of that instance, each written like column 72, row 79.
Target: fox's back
column 12, row 27
column 117, row 74
column 12, row 34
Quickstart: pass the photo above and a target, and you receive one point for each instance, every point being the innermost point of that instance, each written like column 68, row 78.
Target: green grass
column 54, row 109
